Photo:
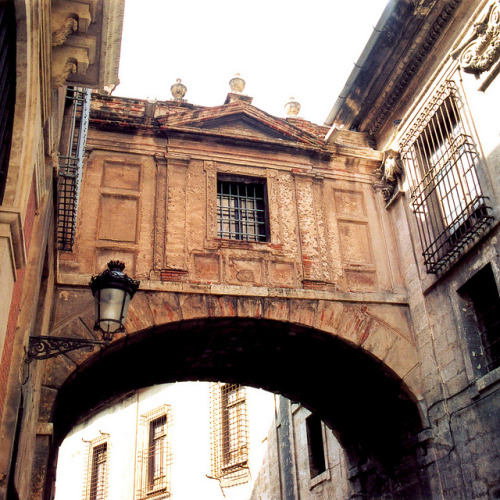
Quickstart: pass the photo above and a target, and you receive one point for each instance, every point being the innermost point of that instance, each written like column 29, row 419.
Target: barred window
column 98, row 478
column 155, row 457
column 440, row 158
column 229, row 434
column 96, row 482
column 241, row 210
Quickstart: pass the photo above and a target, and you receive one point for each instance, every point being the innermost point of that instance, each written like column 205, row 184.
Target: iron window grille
column 440, row 158
column 71, row 166
column 241, row 210
column 96, row 482
column 229, row 434
column 155, row 457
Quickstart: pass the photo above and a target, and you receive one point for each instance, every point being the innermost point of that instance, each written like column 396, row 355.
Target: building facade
column 164, row 442
column 429, row 108
column 191, row 440
column 46, row 47
column 258, row 248
column 352, row 268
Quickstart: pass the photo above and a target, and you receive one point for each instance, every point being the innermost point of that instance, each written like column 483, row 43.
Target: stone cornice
column 82, row 280
column 390, row 64
column 413, row 66
column 86, row 42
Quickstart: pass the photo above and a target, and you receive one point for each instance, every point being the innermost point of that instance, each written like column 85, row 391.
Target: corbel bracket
column 49, row 347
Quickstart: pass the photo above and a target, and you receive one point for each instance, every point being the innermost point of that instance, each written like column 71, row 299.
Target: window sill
column 488, row 380
column 260, row 246
column 324, row 476
column 430, row 281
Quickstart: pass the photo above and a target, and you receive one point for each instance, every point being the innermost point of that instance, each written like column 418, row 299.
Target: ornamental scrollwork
column 60, row 35
column 60, row 79
column 49, row 347
column 482, row 49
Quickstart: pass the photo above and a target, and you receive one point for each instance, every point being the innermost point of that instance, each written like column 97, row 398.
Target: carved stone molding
column 160, row 213
column 68, row 60
column 414, row 64
column 60, row 75
column 80, row 12
column 479, row 53
column 85, row 38
column 59, row 36
column 12, row 229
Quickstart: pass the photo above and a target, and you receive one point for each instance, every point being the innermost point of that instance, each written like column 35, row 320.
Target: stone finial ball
column 292, row 107
column 178, row 90
column 237, row 84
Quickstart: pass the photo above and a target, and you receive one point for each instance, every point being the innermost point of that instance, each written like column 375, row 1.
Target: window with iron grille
column 482, row 312
column 241, row 209
column 96, row 482
column 71, row 165
column 229, row 434
column 440, row 159
column 155, row 457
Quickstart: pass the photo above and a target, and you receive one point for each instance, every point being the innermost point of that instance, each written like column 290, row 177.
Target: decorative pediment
column 239, row 120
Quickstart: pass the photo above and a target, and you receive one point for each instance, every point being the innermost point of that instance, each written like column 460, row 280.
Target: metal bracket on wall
column 49, row 347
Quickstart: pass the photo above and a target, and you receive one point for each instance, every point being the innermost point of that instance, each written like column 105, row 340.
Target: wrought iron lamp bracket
column 49, row 347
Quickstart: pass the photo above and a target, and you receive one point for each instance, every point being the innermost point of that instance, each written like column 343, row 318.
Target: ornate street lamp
column 112, row 291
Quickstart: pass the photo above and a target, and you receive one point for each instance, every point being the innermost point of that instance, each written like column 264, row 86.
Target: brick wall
column 16, row 302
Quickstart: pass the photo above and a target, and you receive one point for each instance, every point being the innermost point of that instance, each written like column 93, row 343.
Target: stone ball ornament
column 292, row 108
column 178, row 90
column 237, row 84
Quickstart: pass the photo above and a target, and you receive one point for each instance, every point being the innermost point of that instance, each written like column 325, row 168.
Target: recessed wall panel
column 118, row 218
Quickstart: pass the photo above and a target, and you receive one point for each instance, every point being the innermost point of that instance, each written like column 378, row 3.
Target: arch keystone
column 328, row 316
column 164, row 307
column 276, row 309
column 194, row 306
column 303, row 312
column 250, row 307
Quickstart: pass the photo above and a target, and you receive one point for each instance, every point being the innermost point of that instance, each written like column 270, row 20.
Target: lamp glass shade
column 112, row 309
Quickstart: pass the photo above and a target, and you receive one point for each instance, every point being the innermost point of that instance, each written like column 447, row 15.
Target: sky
column 304, row 49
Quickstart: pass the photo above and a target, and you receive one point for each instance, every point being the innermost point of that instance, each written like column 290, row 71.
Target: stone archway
column 353, row 364
column 380, row 329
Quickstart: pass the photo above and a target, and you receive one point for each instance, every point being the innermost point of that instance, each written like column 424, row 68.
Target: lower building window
column 99, row 466
column 482, row 309
column 315, row 445
column 241, row 210
column 96, row 483
column 155, row 458
column 229, row 434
